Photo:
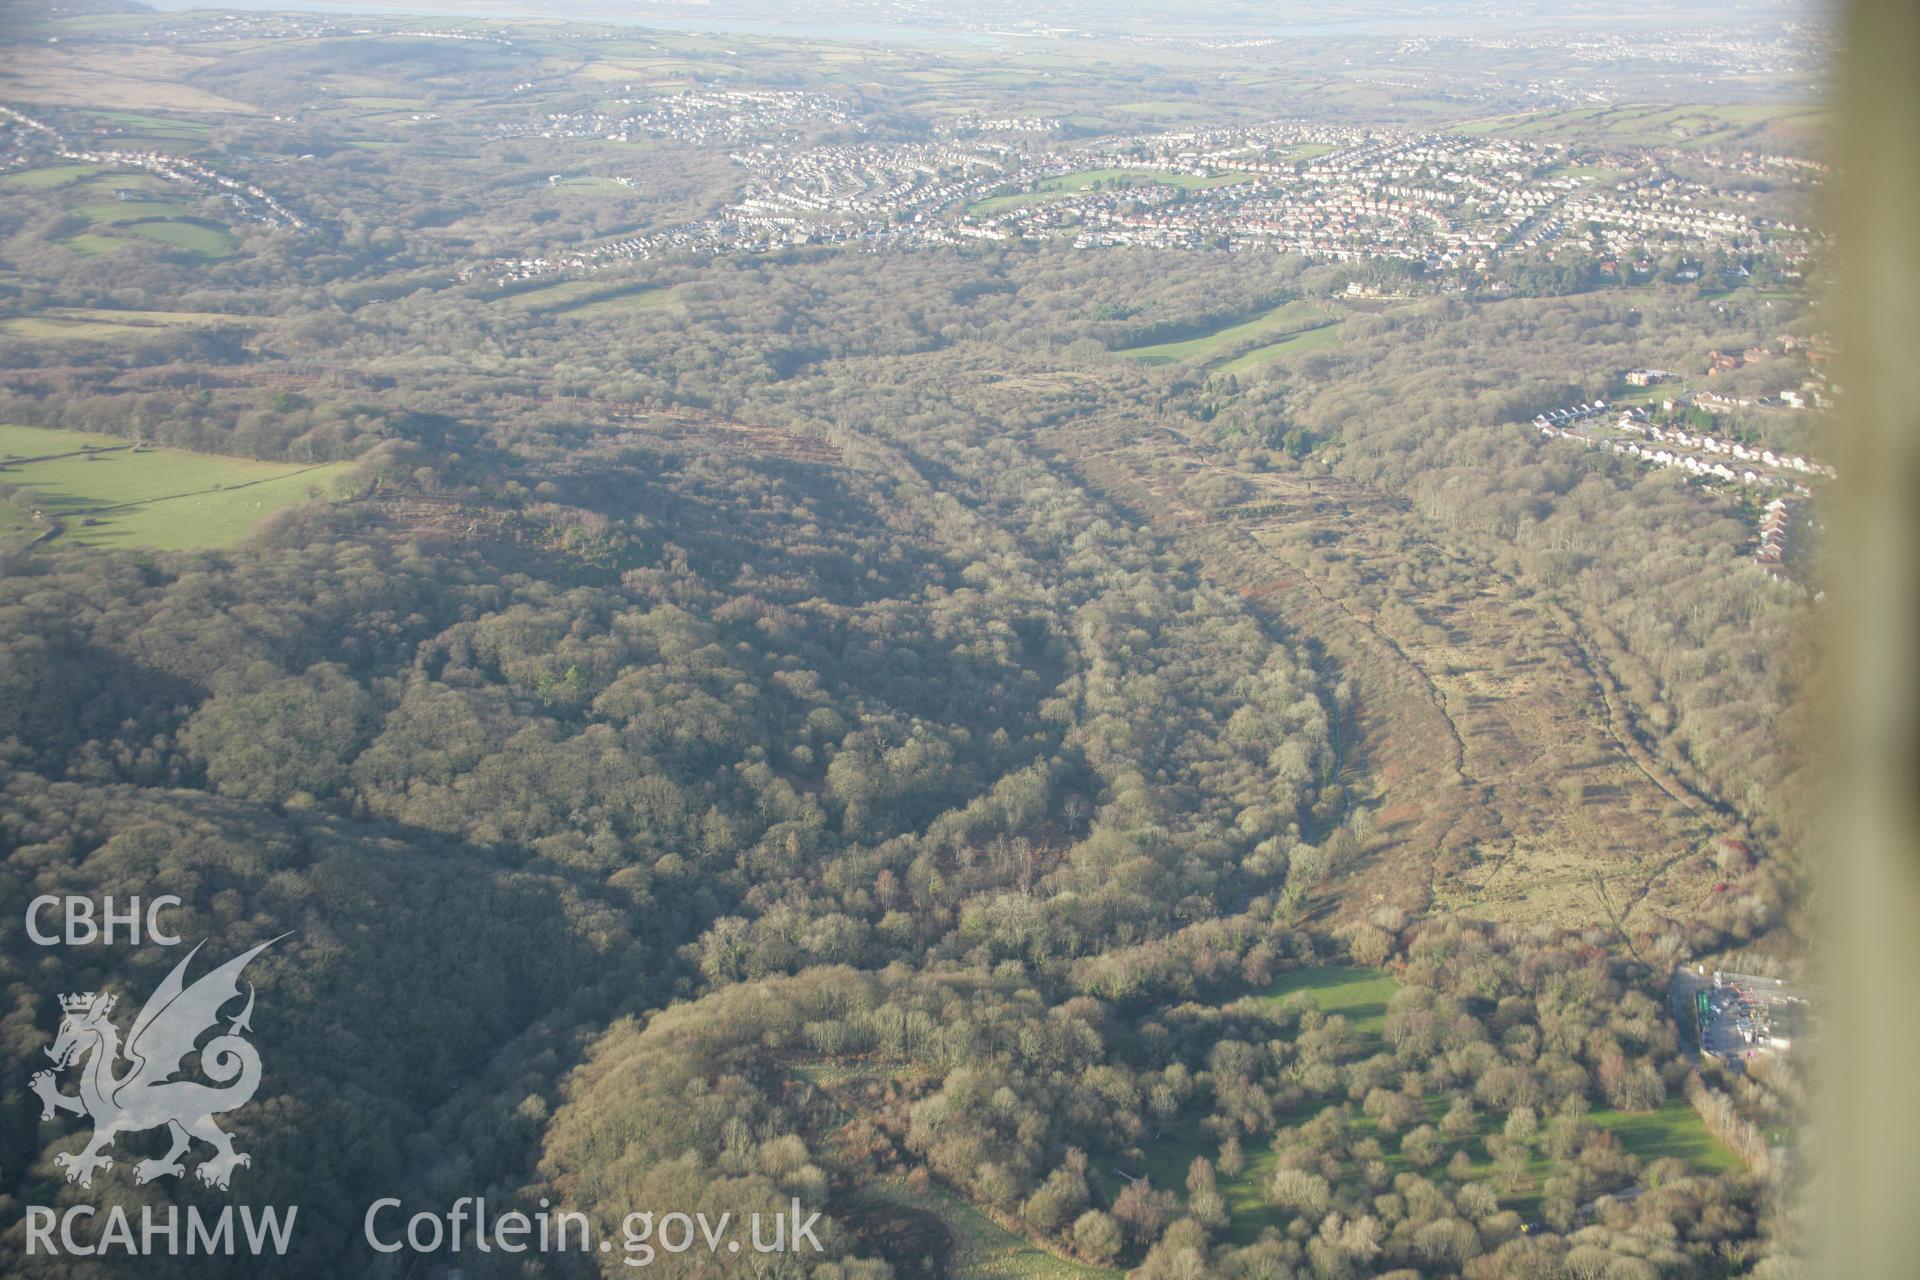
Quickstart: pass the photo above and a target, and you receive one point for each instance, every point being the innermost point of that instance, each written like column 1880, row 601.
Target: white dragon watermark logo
column 144, row 1095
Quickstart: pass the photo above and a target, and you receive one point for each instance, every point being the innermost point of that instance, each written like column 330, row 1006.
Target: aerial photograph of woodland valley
column 1028, row 641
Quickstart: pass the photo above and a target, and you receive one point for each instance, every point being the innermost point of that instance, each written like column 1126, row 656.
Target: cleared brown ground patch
column 711, row 429
column 116, row 77
column 1505, row 784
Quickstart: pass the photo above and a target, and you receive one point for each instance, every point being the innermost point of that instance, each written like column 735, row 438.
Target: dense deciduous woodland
column 828, row 725
column 832, row 700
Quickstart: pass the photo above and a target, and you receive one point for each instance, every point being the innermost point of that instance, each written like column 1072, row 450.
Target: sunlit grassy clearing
column 1292, row 344
column 1359, row 994
column 164, row 498
column 588, row 298
column 163, row 221
column 89, row 244
column 201, row 238
column 110, row 478
column 626, row 302
column 1285, row 318
column 206, row 520
column 57, row 328
column 164, row 319
column 103, row 325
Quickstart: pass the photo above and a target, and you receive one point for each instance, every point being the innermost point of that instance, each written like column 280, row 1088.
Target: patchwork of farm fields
column 92, row 490
column 120, row 207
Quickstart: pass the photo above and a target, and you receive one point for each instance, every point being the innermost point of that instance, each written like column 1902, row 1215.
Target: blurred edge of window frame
column 1867, row 1144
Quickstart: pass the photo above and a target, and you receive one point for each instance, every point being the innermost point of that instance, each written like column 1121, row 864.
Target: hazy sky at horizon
column 1354, row 16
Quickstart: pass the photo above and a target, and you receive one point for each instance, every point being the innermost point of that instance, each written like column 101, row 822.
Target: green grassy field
column 15, row 524
column 622, row 302
column 46, row 177
column 155, row 221
column 153, row 211
column 37, row 442
column 95, row 324
column 112, row 211
column 162, row 319
column 589, row 298
column 1167, row 1161
column 89, row 244
column 1360, row 995
column 547, row 296
column 1600, row 176
column 164, row 498
column 1674, row 1130
column 59, row 328
column 1075, row 183
column 195, row 235
column 1292, row 344
column 1287, row 318
column 1648, row 395
column 158, row 126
